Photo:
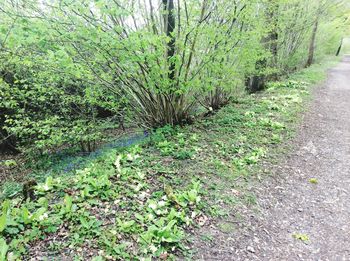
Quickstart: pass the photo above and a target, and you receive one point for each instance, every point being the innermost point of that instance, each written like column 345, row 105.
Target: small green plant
column 48, row 185
column 10, row 163
column 162, row 232
column 178, row 146
column 302, row 237
column 126, row 226
column 313, row 181
column 166, row 147
column 183, row 154
column 255, row 156
column 10, row 189
column 275, row 139
column 271, row 124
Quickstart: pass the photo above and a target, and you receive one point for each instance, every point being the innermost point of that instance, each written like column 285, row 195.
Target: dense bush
column 43, row 111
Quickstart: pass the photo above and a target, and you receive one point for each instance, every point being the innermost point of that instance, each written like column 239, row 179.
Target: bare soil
column 289, row 205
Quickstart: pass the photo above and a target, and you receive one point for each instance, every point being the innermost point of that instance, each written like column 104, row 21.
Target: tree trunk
column 339, row 49
column 310, row 59
column 257, row 82
column 169, row 22
column 7, row 144
column 273, row 35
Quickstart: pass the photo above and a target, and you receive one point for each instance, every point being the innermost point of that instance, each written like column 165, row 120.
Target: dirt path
column 290, row 203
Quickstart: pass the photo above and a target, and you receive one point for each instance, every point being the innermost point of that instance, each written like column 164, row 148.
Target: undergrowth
column 145, row 201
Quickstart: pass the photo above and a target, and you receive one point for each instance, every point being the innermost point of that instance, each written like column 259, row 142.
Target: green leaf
column 68, row 203
column 3, row 249
column 139, row 217
column 25, row 215
column 97, row 258
column 40, row 214
column 3, row 217
column 3, row 221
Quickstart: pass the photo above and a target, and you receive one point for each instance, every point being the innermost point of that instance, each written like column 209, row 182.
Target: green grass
column 141, row 201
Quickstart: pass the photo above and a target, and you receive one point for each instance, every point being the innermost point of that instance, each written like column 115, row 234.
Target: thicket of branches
column 69, row 69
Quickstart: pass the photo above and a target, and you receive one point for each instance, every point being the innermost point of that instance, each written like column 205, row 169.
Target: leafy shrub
column 44, row 117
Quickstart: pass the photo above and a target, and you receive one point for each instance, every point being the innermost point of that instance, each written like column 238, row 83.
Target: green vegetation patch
column 143, row 202
column 110, row 209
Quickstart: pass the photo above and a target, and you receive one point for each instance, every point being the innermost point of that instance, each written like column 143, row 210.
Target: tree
column 313, row 39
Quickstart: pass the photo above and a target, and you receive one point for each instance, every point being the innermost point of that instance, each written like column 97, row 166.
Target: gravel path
column 290, row 203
